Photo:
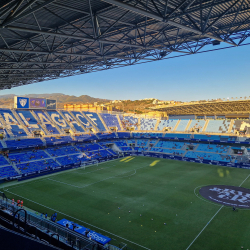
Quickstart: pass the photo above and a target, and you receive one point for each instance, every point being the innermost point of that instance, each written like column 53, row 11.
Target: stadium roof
column 208, row 108
column 49, row 39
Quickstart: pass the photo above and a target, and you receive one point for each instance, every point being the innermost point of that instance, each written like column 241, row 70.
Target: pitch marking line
column 83, row 222
column 116, row 176
column 211, row 219
column 42, row 178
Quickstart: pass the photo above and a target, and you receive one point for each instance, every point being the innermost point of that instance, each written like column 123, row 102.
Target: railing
column 68, row 236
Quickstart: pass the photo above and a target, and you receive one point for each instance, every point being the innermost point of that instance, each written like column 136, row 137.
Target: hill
column 61, row 98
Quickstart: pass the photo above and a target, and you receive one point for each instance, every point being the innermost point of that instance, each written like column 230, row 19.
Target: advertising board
column 51, row 104
column 37, row 103
column 21, row 102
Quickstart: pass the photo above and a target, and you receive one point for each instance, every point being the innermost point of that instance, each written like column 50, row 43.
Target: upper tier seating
column 240, row 125
column 58, row 119
column 129, row 122
column 7, row 171
column 148, row 124
column 167, row 123
column 212, row 148
column 12, row 123
column 57, row 151
column 35, row 166
column 45, row 120
column 72, row 121
column 28, row 156
column 197, row 125
column 28, row 119
column 82, row 119
column 94, row 118
column 24, row 143
column 182, row 125
column 218, row 126
column 111, row 121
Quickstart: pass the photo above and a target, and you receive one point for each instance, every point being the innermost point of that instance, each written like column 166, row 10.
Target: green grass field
column 158, row 189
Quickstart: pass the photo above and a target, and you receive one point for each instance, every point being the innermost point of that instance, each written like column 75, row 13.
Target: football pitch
column 146, row 203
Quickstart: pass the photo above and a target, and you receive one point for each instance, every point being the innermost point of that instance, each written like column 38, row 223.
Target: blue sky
column 212, row 75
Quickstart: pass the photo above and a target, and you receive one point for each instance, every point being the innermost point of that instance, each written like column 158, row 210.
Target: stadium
column 73, row 179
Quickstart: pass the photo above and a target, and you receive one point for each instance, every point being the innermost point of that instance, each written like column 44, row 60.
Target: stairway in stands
column 176, row 125
column 119, row 121
column 104, row 124
column 6, row 127
column 230, row 127
column 53, row 123
column 21, row 122
column 77, row 120
column 157, row 124
column 68, row 122
column 205, row 126
column 40, row 123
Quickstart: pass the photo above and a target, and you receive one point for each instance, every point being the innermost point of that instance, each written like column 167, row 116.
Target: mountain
column 61, row 99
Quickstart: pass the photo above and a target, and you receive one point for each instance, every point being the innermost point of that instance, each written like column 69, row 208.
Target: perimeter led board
column 51, row 104
column 37, row 103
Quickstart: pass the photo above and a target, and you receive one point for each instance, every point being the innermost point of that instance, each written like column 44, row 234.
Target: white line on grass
column 211, row 219
column 44, row 177
column 83, row 222
column 116, row 176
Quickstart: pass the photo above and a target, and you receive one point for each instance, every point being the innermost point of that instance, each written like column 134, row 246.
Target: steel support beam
column 89, row 39
column 161, row 19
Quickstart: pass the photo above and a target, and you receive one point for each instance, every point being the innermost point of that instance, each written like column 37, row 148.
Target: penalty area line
column 83, row 222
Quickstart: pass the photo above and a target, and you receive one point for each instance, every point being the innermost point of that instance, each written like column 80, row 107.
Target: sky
column 218, row 74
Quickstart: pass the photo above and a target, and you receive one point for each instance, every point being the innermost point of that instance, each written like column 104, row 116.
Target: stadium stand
column 46, row 122
column 218, row 126
column 12, row 123
column 197, row 125
column 82, row 119
column 129, row 122
column 240, row 125
column 148, row 124
column 7, row 171
column 28, row 119
column 58, row 119
column 35, row 166
column 58, row 140
column 23, row 143
column 72, row 122
column 182, row 125
column 94, row 118
column 59, row 151
column 213, row 148
column 167, row 124
column 111, row 121
column 28, row 156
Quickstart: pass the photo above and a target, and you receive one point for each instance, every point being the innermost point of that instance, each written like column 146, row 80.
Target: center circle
column 227, row 195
